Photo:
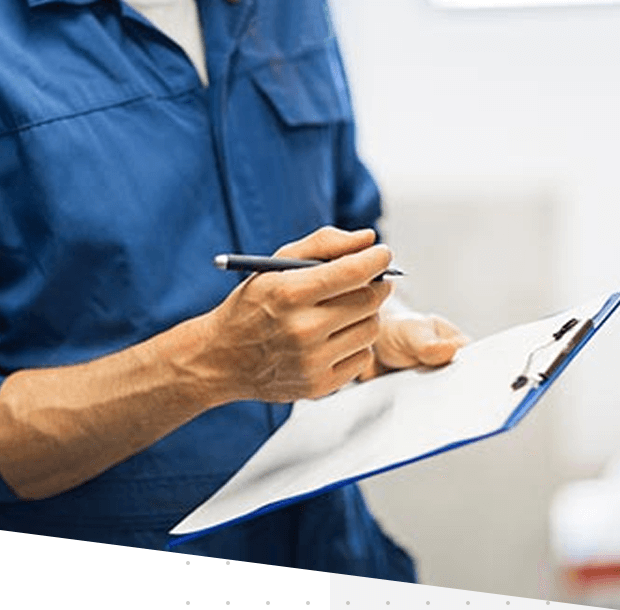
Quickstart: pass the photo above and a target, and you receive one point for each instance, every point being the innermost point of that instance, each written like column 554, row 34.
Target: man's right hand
column 277, row 337
column 282, row 336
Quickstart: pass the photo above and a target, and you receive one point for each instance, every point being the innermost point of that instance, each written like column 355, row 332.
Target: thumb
column 328, row 243
column 439, row 351
column 429, row 341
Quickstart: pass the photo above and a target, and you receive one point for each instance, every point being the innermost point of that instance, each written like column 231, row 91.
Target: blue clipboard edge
column 535, row 394
column 268, row 508
column 524, row 407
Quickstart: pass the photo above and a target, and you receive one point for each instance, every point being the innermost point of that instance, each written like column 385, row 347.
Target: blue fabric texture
column 6, row 494
column 121, row 177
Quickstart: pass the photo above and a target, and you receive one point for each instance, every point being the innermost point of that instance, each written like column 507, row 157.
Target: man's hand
column 410, row 340
column 303, row 333
column 277, row 337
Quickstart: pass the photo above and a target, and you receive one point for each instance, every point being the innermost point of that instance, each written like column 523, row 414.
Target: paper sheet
column 386, row 422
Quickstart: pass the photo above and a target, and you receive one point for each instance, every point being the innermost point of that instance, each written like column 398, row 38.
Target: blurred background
column 495, row 137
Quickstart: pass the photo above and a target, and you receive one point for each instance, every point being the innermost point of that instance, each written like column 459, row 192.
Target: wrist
column 189, row 359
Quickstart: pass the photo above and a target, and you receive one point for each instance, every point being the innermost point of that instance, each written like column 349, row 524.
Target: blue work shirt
column 121, row 177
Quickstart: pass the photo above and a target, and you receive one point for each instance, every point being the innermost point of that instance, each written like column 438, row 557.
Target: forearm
column 60, row 427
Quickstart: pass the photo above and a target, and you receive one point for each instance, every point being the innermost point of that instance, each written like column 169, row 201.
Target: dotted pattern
column 145, row 577
column 348, row 603
column 428, row 603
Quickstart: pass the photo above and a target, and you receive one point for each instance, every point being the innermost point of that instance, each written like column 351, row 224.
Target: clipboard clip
column 524, row 378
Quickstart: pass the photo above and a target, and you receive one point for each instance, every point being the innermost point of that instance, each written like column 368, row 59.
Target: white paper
column 390, row 420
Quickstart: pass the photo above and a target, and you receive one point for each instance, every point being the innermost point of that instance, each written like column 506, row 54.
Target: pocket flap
column 306, row 90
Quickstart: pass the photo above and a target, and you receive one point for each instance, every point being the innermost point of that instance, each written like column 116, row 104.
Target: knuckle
column 362, row 361
column 354, row 274
column 283, row 252
column 283, row 295
column 368, row 297
column 370, row 330
column 321, row 284
column 328, row 237
column 386, row 290
column 434, row 354
column 374, row 326
column 366, row 357
column 381, row 291
column 302, row 332
column 328, row 231
column 324, row 236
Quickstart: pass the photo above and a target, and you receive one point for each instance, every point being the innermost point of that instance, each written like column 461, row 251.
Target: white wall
column 456, row 103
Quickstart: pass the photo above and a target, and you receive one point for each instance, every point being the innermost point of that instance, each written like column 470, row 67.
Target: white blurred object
column 612, row 470
column 585, row 538
column 585, row 521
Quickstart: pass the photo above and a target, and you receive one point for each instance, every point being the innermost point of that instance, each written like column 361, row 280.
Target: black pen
column 245, row 262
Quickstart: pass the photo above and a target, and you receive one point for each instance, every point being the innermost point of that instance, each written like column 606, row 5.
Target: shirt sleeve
column 6, row 494
column 358, row 200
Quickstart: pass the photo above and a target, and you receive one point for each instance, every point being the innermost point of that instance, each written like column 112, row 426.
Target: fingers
column 308, row 331
column 440, row 344
column 289, row 290
column 346, row 274
column 332, row 360
column 347, row 309
column 414, row 340
column 342, row 373
column 350, row 368
column 328, row 243
column 439, row 352
column 446, row 330
column 353, row 262
column 351, row 340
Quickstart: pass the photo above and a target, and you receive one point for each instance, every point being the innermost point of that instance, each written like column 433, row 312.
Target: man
column 136, row 378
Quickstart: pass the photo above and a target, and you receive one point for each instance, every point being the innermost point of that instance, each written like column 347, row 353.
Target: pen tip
column 221, row 261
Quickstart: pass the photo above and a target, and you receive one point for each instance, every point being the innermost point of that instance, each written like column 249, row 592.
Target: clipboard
column 401, row 418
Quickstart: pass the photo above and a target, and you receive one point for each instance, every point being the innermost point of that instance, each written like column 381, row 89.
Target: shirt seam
column 283, row 58
column 93, row 110
column 73, row 115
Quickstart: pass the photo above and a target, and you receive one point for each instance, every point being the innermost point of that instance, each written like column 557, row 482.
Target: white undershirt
column 179, row 20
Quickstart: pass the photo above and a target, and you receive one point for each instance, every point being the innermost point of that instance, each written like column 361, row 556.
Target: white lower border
column 42, row 573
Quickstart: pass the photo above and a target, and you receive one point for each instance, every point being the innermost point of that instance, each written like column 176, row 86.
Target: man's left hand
column 411, row 340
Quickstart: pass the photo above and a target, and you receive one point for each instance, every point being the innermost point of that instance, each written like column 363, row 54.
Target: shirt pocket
column 306, row 90
column 285, row 117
